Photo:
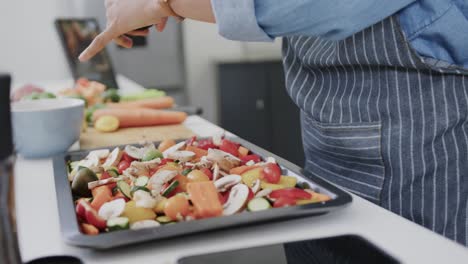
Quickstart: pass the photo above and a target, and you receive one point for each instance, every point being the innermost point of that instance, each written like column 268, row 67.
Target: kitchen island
column 39, row 229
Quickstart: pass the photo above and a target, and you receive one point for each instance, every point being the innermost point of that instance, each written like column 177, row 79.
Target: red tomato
column 284, row 201
column 253, row 157
column 271, row 173
column 206, row 144
column 164, row 161
column 127, row 158
column 292, row 193
column 123, row 165
column 251, row 195
column 229, row 147
column 208, row 173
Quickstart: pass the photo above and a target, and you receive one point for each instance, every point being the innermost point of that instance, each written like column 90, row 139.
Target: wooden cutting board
column 95, row 139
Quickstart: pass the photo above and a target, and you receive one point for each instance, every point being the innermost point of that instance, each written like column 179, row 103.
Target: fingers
column 96, row 46
column 142, row 32
column 124, row 41
column 161, row 25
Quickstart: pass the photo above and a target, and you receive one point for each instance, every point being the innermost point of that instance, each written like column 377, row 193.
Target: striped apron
column 382, row 122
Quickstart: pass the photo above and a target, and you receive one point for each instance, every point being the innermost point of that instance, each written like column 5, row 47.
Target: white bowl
column 46, row 127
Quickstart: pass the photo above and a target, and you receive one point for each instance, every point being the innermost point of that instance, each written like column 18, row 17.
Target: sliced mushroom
column 263, row 193
column 227, row 182
column 256, row 186
column 100, row 153
column 181, row 155
column 135, row 152
column 237, row 199
column 174, row 148
column 204, row 163
column 139, row 168
column 91, row 162
column 144, row 199
column 113, row 159
column 215, row 171
column 218, row 138
column 94, row 184
column 144, row 224
column 225, row 160
column 159, row 179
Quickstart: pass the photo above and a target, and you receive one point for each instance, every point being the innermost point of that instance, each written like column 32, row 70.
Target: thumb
column 98, row 44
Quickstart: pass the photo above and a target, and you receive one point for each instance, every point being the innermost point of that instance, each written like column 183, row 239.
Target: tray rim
column 72, row 235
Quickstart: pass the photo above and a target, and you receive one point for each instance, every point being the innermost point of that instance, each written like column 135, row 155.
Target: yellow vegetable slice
column 135, row 214
column 285, row 182
column 107, row 124
column 251, row 176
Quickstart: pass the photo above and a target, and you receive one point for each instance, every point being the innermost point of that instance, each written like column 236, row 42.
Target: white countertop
column 39, row 230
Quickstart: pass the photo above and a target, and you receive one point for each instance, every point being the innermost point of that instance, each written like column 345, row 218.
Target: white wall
column 31, row 50
column 203, row 49
column 29, row 45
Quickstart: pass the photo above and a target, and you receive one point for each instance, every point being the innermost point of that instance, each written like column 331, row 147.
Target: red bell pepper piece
column 271, row 173
column 284, row 201
column 292, row 193
column 229, row 147
column 251, row 157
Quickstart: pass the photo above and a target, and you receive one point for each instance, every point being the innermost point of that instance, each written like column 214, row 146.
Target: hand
column 126, row 17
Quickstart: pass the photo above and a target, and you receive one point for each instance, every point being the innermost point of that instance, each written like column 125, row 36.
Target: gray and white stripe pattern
column 380, row 122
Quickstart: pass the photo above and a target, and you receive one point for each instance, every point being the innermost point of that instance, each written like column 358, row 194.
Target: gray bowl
column 47, row 127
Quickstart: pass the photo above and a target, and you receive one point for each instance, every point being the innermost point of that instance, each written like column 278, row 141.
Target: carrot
column 241, row 169
column 89, row 229
column 198, row 151
column 204, row 197
column 101, row 195
column 243, row 151
column 153, row 103
column 141, row 116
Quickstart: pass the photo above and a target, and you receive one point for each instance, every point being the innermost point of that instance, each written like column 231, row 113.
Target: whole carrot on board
column 138, row 117
column 152, row 103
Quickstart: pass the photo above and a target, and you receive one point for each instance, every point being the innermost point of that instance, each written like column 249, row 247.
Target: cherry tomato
column 229, row 147
column 207, row 173
column 284, row 201
column 271, row 173
column 127, row 158
column 176, row 207
column 123, row 165
column 197, row 176
column 253, row 157
column 293, row 193
column 206, row 144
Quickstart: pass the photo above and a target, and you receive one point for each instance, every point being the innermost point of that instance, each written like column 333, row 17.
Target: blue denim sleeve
column 263, row 20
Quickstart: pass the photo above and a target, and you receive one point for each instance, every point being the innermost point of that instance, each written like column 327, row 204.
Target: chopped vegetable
column 229, row 147
column 113, row 172
column 177, row 207
column 118, row 223
column 144, row 224
column 271, row 173
column 197, row 176
column 107, row 123
column 252, row 157
column 112, row 209
column 89, row 229
column 251, row 176
column 138, row 188
column 152, row 154
column 242, row 152
column 141, row 181
column 238, row 197
column 101, row 195
column 164, row 219
column 80, row 182
column 284, row 201
column 125, row 189
column 293, row 193
column 258, row 204
column 165, row 144
column 186, row 171
column 170, row 188
column 135, row 214
column 204, row 197
column 285, row 182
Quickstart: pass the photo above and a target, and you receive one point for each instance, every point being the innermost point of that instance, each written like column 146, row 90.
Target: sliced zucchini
column 186, row 172
column 141, row 181
column 113, row 172
column 124, row 189
column 258, row 204
column 118, row 223
column 170, row 188
column 164, row 219
column 139, row 188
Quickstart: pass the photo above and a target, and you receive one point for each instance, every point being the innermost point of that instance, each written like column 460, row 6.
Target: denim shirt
column 436, row 29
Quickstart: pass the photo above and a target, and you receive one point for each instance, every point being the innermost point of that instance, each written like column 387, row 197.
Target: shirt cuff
column 236, row 20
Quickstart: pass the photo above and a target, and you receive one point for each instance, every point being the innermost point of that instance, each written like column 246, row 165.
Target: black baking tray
column 72, row 235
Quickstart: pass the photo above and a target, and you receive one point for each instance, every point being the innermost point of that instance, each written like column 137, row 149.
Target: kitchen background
column 189, row 60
